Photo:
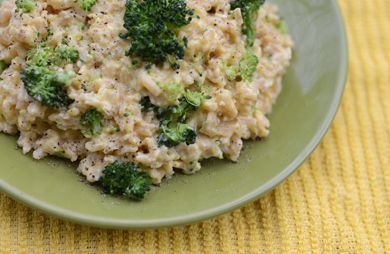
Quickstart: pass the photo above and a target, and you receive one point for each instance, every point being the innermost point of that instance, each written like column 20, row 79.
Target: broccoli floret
column 249, row 10
column 195, row 98
column 248, row 65
column 175, row 114
column 245, row 69
column 173, row 91
column 87, row 4
column 232, row 72
column 3, row 66
column 66, row 54
column 179, row 133
column 124, row 179
column 179, row 113
column 41, row 78
column 40, row 56
column 49, row 32
column 25, row 5
column 147, row 105
column 152, row 28
column 173, row 129
column 92, row 122
column 46, row 56
column 282, row 27
column 47, row 86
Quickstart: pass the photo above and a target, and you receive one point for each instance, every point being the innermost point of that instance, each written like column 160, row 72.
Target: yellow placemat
column 337, row 202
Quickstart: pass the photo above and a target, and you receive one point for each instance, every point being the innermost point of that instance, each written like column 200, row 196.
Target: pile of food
column 137, row 89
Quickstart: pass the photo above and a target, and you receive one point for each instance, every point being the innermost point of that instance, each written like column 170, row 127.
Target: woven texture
column 337, row 202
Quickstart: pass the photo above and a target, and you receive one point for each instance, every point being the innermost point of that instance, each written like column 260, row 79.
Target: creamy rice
column 236, row 111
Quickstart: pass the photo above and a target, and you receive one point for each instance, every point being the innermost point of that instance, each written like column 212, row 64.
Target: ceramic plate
column 311, row 95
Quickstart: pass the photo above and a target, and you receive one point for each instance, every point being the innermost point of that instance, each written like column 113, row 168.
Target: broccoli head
column 173, row 91
column 245, row 69
column 173, row 129
column 124, row 179
column 232, row 72
column 249, row 10
column 65, row 54
column 248, row 65
column 147, row 105
column 282, row 27
column 41, row 78
column 195, row 98
column 46, row 56
column 177, row 134
column 87, row 5
column 25, row 5
column 47, row 86
column 190, row 101
column 175, row 114
column 92, row 122
column 152, row 28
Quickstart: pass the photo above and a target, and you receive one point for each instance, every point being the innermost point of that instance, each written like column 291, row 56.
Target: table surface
column 337, row 202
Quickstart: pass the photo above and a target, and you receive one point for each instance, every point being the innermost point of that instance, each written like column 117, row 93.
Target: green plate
column 312, row 92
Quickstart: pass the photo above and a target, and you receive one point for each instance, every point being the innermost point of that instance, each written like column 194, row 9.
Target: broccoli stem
column 249, row 10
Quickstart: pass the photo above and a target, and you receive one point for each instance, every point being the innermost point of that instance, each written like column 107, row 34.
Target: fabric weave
column 337, row 202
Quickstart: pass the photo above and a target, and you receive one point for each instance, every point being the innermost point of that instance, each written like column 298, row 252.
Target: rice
column 236, row 111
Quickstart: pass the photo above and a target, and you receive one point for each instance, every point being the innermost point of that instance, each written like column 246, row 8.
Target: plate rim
column 104, row 222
